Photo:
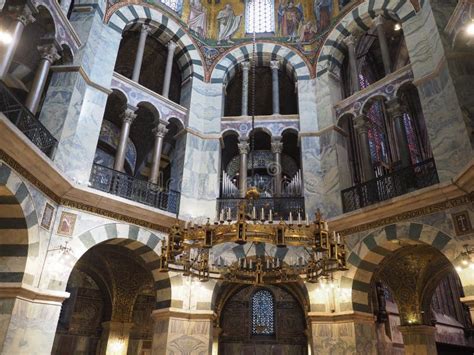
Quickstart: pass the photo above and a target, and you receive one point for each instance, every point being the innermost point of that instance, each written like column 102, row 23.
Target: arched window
column 263, row 313
column 260, row 16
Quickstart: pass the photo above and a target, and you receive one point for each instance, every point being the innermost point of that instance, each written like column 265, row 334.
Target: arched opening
column 260, row 320
column 112, row 297
column 152, row 72
column 413, row 286
column 288, row 104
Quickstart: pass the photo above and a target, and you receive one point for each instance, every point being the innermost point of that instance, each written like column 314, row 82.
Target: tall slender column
column 127, row 118
column 244, row 148
column 277, row 149
column 23, row 17
column 169, row 66
column 362, row 129
column 275, row 65
column 49, row 54
column 396, row 112
column 379, row 22
column 350, row 42
column 145, row 30
column 245, row 88
column 419, row 339
column 160, row 132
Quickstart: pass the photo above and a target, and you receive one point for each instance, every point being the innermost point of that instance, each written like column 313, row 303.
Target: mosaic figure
column 290, row 16
column 228, row 23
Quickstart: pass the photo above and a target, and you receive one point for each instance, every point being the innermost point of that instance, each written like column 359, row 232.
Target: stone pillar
column 29, row 318
column 145, row 30
column 419, row 339
column 245, row 88
column 342, row 333
column 361, row 125
column 49, row 54
column 350, row 42
column 127, row 119
column 114, row 338
column 396, row 112
column 379, row 22
column 244, row 148
column 23, row 17
column 169, row 66
column 277, row 149
column 275, row 65
column 182, row 332
column 160, row 132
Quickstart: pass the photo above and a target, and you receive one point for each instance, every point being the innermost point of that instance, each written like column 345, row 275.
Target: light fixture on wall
column 470, row 28
column 5, row 37
column 466, row 259
column 397, row 27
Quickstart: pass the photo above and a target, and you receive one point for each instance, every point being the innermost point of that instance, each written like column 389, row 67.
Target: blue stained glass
column 263, row 313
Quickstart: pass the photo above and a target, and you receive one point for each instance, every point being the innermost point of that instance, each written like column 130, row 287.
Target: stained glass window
column 260, row 16
column 263, row 313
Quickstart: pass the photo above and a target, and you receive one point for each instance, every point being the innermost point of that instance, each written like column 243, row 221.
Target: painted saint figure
column 197, row 20
column 228, row 23
column 290, row 16
column 323, row 13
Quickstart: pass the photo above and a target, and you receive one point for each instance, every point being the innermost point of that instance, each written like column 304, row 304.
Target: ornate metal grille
column 263, row 313
column 26, row 122
column 260, row 16
column 120, row 184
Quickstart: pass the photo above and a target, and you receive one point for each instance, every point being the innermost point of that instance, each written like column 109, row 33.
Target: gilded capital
column 128, row 116
column 171, row 46
column 245, row 66
column 244, row 146
column 277, row 145
column 160, row 130
column 274, row 64
column 49, row 52
column 23, row 13
column 146, row 29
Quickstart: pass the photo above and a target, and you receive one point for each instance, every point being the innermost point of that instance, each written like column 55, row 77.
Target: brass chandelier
column 190, row 249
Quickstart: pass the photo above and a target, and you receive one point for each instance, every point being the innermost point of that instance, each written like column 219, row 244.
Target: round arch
column 19, row 236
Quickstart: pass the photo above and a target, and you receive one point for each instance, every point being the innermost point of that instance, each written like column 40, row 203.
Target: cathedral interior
column 237, row 177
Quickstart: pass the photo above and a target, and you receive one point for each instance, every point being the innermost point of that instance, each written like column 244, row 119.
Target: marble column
column 182, row 332
column 49, row 54
column 275, row 65
column 245, row 88
column 115, row 337
column 350, row 42
column 23, row 17
column 396, row 112
column 419, row 339
column 244, row 148
column 169, row 67
column 127, row 119
column 361, row 125
column 160, row 132
column 145, row 30
column 277, row 149
column 379, row 25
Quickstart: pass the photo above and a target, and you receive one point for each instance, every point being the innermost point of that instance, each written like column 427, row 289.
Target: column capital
column 379, row 20
column 277, row 145
column 361, row 124
column 350, row 40
column 146, row 29
column 245, row 66
column 244, row 146
column 274, row 64
column 160, row 130
column 395, row 108
column 171, row 46
column 49, row 51
column 128, row 116
column 23, row 13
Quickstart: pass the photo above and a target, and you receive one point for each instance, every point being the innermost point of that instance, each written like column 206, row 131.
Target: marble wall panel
column 205, row 107
column 307, row 106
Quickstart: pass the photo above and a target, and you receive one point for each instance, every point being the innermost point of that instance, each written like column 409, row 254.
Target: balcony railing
column 120, row 184
column 281, row 206
column 26, row 122
column 391, row 185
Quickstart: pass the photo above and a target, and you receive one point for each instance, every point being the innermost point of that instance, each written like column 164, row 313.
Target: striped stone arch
column 366, row 256
column 225, row 68
column 19, row 232
column 141, row 242
column 359, row 19
column 166, row 28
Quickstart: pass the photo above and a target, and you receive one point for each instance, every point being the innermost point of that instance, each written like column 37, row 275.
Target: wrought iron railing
column 281, row 206
column 26, row 122
column 395, row 184
column 123, row 185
